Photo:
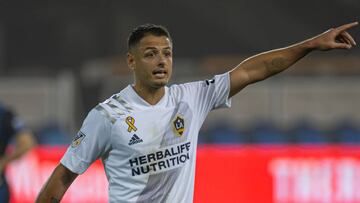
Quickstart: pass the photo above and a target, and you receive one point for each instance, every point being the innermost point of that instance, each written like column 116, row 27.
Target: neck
column 150, row 95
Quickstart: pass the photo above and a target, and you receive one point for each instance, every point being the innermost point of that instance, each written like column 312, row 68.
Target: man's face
column 151, row 60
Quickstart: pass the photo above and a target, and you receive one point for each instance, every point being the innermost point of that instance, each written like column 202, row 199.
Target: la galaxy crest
column 179, row 125
column 78, row 138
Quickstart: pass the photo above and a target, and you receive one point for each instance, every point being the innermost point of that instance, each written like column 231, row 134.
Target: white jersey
column 148, row 151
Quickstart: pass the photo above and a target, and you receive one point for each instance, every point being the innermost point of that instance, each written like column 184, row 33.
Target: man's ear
column 130, row 61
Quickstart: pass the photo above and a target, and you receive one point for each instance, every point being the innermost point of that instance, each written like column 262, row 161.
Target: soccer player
column 146, row 135
column 11, row 127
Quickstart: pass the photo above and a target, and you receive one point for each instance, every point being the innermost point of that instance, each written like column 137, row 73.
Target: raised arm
column 267, row 64
column 55, row 188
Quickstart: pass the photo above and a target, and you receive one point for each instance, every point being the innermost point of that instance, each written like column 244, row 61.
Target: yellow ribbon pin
column 130, row 121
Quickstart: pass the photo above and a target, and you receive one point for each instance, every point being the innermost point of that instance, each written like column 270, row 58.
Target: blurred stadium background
column 283, row 140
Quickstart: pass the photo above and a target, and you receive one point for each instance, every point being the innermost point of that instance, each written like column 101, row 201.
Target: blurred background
column 58, row 59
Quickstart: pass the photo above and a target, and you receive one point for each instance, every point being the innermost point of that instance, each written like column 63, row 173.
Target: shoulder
column 7, row 116
column 201, row 83
column 185, row 87
column 5, row 111
column 112, row 108
column 194, row 87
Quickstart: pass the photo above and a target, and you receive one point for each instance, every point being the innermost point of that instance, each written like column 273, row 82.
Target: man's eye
column 149, row 54
column 167, row 54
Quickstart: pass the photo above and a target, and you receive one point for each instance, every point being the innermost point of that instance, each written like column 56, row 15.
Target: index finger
column 347, row 26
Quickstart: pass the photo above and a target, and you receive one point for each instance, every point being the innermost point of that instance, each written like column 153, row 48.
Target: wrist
column 309, row 45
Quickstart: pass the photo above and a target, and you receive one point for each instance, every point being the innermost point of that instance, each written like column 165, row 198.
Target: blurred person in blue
column 146, row 135
column 11, row 128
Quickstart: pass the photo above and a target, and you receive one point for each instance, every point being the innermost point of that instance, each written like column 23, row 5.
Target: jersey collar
column 131, row 95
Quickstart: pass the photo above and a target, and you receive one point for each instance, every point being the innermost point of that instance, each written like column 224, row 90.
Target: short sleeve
column 10, row 125
column 17, row 124
column 206, row 95
column 90, row 143
column 216, row 92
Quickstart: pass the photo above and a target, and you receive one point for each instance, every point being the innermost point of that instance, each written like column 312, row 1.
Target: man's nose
column 161, row 61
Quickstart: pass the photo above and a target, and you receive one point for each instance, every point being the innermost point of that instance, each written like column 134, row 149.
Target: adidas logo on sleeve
column 135, row 139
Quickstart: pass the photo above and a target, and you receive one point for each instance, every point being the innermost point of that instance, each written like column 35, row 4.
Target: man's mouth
column 159, row 73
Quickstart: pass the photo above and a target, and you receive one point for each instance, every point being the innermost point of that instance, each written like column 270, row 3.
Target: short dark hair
column 142, row 30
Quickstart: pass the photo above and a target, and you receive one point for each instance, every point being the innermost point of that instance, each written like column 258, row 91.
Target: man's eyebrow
column 156, row 48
